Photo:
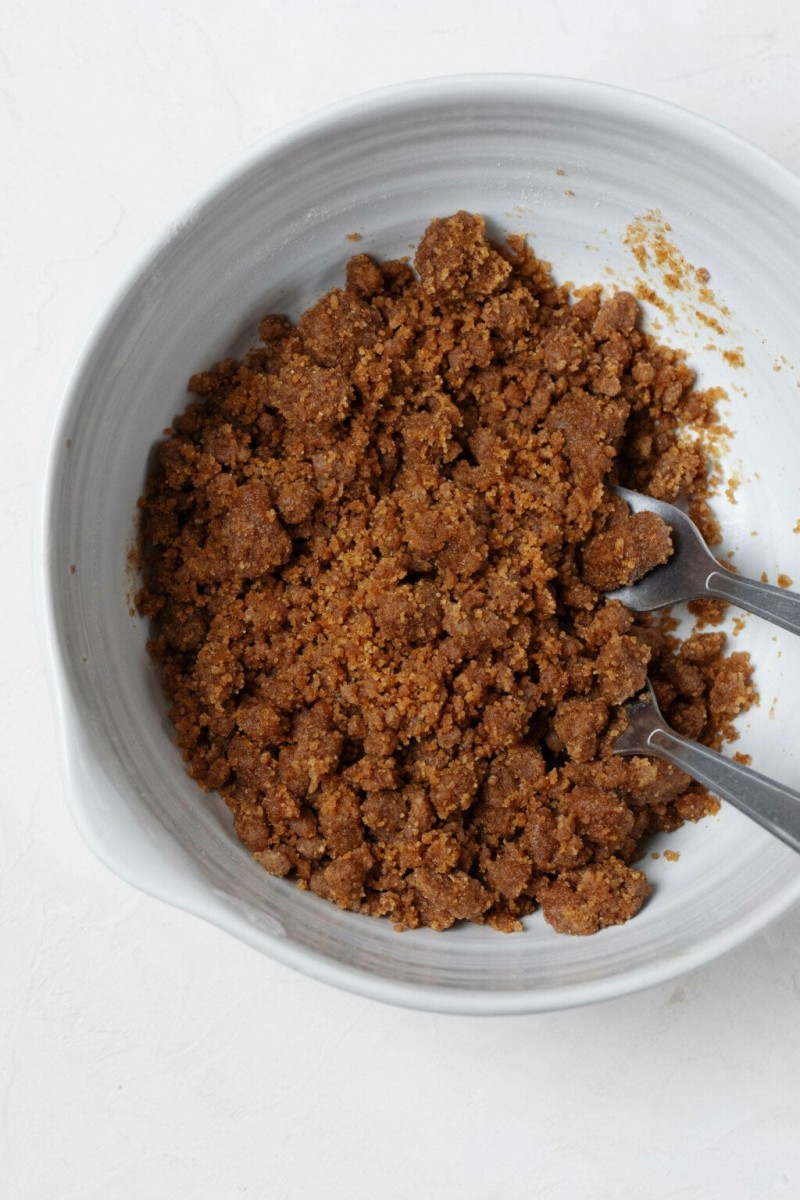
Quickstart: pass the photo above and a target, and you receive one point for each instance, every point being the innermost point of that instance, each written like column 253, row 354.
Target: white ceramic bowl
column 271, row 236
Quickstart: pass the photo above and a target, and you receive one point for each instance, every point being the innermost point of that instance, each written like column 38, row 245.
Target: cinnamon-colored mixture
column 376, row 552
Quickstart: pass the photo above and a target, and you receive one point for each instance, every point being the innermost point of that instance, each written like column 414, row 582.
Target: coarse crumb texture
column 375, row 555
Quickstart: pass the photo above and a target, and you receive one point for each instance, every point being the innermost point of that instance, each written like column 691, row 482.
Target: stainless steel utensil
column 773, row 806
column 693, row 573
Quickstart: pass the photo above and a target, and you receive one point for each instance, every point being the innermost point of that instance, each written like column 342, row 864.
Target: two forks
column 691, row 573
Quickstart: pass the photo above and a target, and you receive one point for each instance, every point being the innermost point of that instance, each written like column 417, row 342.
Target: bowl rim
column 180, row 892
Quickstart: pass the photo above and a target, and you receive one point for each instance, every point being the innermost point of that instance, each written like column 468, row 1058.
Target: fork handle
column 775, row 807
column 772, row 603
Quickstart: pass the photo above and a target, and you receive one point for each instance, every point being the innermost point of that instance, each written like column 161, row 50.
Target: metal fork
column 773, row 806
column 693, row 573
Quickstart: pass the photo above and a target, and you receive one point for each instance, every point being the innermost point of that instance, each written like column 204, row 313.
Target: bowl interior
column 571, row 165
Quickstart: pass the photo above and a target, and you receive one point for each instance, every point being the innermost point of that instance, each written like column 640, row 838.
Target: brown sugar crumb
column 703, row 516
column 734, row 358
column 733, row 485
column 645, row 292
column 672, row 855
column 796, row 527
column 710, row 321
column 353, row 237
column 784, row 581
column 707, row 612
column 376, row 550
column 624, row 553
column 648, row 237
column 592, row 897
column 745, row 759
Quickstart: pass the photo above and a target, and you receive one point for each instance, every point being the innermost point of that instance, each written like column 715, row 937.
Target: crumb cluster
column 376, row 551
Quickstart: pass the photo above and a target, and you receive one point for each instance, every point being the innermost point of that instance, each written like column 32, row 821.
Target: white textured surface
column 142, row 1053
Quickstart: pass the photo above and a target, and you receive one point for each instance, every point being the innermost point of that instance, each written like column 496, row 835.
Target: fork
column 693, row 573
column 772, row 805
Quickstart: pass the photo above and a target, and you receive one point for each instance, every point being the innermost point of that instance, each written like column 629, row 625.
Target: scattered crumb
column 72, row 568
column 784, row 581
column 672, row 855
column 796, row 528
column 711, row 322
column 738, row 625
column 645, row 292
column 655, row 252
column 764, row 577
column 647, row 238
column 69, row 443
column 354, row 237
column 771, row 713
column 744, row 759
column 568, row 192
column 654, row 854
column 734, row 483
column 560, row 171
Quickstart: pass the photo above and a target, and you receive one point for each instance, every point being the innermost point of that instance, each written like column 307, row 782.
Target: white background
column 143, row 1054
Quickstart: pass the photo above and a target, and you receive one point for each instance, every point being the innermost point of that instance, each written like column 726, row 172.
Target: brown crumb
column 784, row 581
column 734, row 483
column 672, row 855
column 708, row 612
column 375, row 549
column 645, row 292
column 354, row 237
column 710, row 321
